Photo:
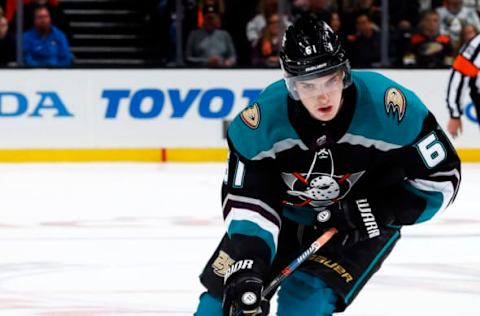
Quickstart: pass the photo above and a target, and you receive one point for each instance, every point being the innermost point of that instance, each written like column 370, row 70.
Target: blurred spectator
column 430, row 4
column 364, row 47
column 299, row 8
column 428, row 48
column 210, row 46
column 2, row 12
column 265, row 52
column 473, row 4
column 335, row 22
column 56, row 14
column 362, row 7
column 453, row 16
column 336, row 25
column 220, row 4
column 256, row 25
column 320, row 10
column 7, row 43
column 468, row 32
column 404, row 15
column 45, row 45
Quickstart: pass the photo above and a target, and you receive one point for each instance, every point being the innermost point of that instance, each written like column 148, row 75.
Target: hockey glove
column 242, row 293
column 354, row 219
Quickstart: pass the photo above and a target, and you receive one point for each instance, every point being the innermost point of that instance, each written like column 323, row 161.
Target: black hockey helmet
column 310, row 49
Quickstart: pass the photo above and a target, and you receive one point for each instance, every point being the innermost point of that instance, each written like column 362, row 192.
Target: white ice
column 131, row 239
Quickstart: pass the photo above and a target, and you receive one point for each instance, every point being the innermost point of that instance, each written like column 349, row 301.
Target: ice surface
column 131, row 239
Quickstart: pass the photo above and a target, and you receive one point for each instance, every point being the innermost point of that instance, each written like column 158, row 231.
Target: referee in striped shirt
column 464, row 76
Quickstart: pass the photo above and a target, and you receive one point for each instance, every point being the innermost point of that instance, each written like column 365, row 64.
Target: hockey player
column 463, row 78
column 325, row 147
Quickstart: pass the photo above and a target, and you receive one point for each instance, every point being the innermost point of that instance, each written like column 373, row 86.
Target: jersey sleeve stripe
column 251, row 204
column 453, row 172
column 353, row 139
column 453, row 176
column 436, row 194
column 245, row 222
column 279, row 147
column 232, row 205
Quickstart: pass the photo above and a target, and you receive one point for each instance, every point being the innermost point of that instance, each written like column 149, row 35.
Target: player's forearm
column 419, row 199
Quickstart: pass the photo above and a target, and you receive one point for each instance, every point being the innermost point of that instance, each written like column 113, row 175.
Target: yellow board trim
column 469, row 154
column 145, row 155
column 81, row 155
column 196, row 154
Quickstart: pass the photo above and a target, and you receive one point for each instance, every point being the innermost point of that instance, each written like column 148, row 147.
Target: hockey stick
column 317, row 244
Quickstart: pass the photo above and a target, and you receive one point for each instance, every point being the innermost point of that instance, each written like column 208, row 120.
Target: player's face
column 322, row 97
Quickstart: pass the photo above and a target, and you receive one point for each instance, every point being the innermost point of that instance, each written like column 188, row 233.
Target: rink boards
column 156, row 115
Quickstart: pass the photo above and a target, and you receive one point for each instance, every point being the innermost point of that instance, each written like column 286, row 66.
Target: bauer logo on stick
column 395, row 102
column 251, row 116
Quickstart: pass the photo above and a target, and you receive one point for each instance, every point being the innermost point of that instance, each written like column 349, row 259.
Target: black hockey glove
column 242, row 294
column 354, row 220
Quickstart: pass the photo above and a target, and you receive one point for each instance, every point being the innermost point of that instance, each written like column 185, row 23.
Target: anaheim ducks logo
column 395, row 102
column 321, row 190
column 251, row 116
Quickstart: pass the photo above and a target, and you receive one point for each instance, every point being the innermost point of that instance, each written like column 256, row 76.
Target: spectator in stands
column 364, row 47
column 362, row 7
column 220, row 4
column 210, row 46
column 256, row 25
column 45, row 45
column 452, row 18
column 430, row 4
column 56, row 14
column 403, row 15
column 428, row 48
column 336, row 25
column 265, row 52
column 7, row 43
column 299, row 8
column 335, row 22
column 2, row 12
column 468, row 32
column 320, row 10
column 474, row 4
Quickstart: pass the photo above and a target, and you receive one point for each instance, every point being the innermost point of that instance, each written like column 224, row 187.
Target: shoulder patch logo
column 251, row 116
column 395, row 101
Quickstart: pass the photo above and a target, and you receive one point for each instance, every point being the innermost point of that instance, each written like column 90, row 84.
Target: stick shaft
column 317, row 244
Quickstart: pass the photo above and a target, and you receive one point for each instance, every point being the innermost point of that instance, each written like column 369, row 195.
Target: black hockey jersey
column 383, row 145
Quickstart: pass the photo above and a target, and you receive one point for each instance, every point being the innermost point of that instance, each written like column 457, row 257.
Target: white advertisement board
column 155, row 108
